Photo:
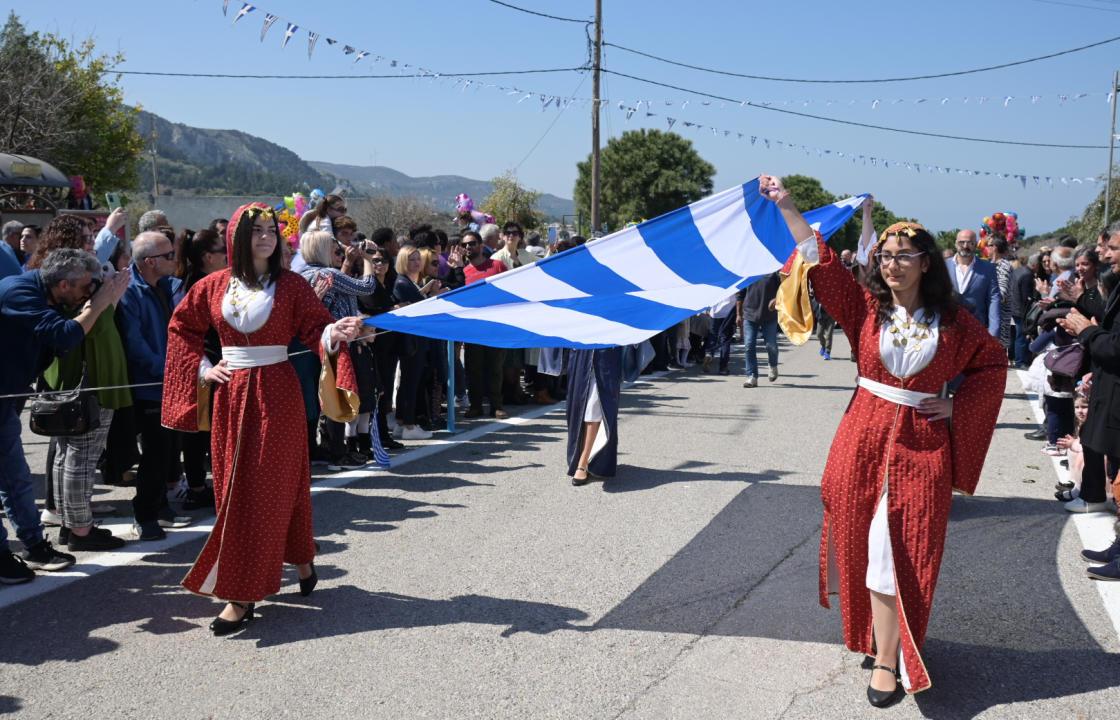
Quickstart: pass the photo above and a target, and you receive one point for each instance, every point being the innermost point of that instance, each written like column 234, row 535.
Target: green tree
column 643, row 174
column 807, row 192
column 1092, row 220
column 509, row 202
column 57, row 105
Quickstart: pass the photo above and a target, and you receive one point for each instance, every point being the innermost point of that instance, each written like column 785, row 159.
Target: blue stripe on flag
column 484, row 295
column 767, row 222
column 677, row 242
column 634, row 311
column 444, row 326
column 581, row 270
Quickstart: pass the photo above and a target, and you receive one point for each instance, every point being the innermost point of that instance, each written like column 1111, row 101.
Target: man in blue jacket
column 36, row 331
column 143, row 315
column 975, row 282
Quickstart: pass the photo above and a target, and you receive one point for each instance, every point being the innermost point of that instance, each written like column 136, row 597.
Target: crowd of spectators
column 99, row 307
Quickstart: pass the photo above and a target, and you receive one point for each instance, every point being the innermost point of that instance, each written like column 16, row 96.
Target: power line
column 852, row 122
column 339, row 77
column 539, row 14
column 870, row 80
column 1087, row 7
column 549, row 128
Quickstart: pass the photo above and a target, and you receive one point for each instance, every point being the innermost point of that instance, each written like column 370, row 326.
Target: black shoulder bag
column 67, row 412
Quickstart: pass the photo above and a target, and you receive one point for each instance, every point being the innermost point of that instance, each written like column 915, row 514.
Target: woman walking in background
column 594, row 390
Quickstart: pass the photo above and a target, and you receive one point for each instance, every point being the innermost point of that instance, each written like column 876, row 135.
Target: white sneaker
column 1077, row 505
column 415, row 433
column 180, row 492
column 49, row 518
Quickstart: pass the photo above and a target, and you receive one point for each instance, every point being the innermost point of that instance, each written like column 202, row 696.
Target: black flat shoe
column 220, row 626
column 307, row 584
column 583, row 480
column 885, row 698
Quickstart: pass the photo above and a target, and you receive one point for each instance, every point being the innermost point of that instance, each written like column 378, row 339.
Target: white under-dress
column 901, row 359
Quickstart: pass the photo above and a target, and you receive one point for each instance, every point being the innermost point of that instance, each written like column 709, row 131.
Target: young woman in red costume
column 902, row 447
column 258, row 444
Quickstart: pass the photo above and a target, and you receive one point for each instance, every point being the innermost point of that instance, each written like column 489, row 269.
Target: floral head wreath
column 908, row 229
column 254, row 210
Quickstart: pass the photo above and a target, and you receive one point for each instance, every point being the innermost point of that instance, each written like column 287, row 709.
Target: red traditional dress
column 887, row 449
column 262, row 477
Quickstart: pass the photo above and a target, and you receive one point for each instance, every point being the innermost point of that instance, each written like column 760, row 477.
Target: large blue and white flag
column 626, row 287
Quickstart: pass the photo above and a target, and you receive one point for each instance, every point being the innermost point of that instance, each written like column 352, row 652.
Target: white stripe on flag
column 533, row 283
column 728, row 234
column 689, row 297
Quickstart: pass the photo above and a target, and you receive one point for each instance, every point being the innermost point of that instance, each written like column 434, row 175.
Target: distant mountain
column 194, row 161
column 439, row 191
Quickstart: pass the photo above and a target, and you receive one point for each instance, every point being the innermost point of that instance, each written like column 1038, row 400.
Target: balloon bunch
column 1000, row 225
column 291, row 209
column 464, row 208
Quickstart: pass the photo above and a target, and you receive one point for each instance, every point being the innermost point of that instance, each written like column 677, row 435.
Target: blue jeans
column 16, row 492
column 769, row 331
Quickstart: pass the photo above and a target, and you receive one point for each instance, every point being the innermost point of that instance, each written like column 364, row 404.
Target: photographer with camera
column 31, row 307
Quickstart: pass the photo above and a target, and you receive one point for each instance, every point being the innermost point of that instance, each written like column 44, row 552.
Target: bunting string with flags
column 1014, row 102
column 644, row 109
column 1038, row 179
column 626, row 287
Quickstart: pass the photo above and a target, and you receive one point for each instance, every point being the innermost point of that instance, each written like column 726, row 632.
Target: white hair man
column 151, row 220
column 143, row 315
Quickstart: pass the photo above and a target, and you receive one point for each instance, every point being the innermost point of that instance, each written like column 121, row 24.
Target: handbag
column 66, row 413
column 1065, row 361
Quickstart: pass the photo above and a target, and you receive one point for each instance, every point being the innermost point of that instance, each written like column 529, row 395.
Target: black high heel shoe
column 220, row 626
column 307, row 584
column 885, row 698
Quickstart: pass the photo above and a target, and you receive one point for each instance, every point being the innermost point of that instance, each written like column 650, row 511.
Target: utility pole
column 595, row 116
column 1111, row 145
column 155, row 177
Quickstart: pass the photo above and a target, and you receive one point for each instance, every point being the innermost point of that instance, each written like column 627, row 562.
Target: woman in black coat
column 594, row 389
column 1100, row 435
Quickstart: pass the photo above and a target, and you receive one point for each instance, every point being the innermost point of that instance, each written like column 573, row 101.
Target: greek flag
column 626, row 287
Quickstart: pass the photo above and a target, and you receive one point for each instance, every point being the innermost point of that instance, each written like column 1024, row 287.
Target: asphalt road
column 473, row 581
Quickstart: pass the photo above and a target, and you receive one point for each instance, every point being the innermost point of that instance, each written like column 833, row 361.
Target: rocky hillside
column 196, row 161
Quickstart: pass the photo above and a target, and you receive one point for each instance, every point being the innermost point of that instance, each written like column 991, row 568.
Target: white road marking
column 45, row 582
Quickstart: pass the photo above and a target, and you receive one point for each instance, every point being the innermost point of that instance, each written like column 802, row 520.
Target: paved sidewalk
column 475, row 582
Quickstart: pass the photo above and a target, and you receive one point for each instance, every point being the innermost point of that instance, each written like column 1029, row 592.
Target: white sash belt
column 239, row 358
column 893, row 394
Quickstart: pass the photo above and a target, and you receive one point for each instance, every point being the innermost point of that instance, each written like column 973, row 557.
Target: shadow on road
column 1001, row 631
column 9, row 704
column 348, row 610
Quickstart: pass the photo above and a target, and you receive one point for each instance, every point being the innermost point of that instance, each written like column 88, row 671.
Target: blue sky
column 427, row 127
